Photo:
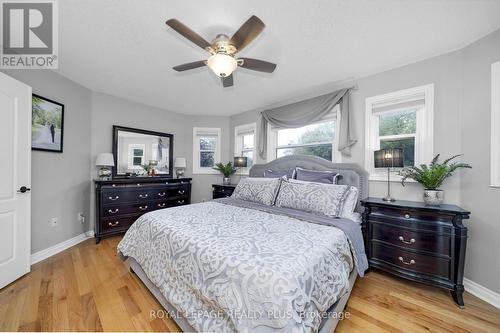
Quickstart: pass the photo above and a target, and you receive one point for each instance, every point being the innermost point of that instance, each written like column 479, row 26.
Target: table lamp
column 105, row 161
column 388, row 158
column 180, row 166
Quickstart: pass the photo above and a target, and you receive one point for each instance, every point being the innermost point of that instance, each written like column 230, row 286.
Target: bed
column 235, row 266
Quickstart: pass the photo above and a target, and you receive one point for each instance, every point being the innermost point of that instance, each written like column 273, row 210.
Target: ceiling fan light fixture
column 222, row 64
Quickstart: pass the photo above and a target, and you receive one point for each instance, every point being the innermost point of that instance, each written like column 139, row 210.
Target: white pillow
column 324, row 199
column 260, row 190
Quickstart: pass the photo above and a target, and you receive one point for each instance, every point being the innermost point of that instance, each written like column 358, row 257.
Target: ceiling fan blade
column 247, row 33
column 227, row 81
column 190, row 65
column 258, row 65
column 188, row 33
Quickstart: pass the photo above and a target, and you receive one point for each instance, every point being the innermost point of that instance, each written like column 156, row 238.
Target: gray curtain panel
column 305, row 112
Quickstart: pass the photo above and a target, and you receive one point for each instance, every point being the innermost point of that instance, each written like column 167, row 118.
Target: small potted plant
column 226, row 170
column 432, row 176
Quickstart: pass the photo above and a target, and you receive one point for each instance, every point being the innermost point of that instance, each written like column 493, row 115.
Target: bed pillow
column 350, row 202
column 324, row 199
column 288, row 174
column 260, row 190
column 326, row 177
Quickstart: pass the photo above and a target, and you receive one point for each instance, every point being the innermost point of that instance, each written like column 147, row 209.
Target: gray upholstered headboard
column 352, row 174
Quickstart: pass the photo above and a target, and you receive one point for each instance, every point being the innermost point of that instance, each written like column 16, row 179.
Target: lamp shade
column 105, row 159
column 240, row 162
column 222, row 64
column 180, row 162
column 388, row 158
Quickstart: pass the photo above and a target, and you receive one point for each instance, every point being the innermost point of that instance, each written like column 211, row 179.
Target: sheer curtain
column 308, row 111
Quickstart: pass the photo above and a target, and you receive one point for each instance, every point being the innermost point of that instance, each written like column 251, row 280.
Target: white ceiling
column 124, row 48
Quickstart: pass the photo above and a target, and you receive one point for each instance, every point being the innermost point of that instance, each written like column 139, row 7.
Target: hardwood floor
column 88, row 288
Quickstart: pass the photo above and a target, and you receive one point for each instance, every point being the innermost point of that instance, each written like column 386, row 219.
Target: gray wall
column 483, row 249
column 60, row 182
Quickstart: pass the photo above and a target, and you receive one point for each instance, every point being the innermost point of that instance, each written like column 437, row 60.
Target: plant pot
column 226, row 181
column 433, row 197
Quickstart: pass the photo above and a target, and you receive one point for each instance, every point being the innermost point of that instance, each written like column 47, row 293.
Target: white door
column 15, row 179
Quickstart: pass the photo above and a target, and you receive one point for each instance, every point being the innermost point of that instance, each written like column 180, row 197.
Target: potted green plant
column 226, row 170
column 432, row 177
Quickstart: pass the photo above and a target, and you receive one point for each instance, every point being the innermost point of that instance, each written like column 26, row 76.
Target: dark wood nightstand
column 418, row 242
column 222, row 191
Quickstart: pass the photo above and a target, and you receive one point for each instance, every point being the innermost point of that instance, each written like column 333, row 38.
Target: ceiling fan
column 222, row 60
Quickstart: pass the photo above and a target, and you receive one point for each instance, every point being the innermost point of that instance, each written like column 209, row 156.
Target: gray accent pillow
column 279, row 173
column 260, row 190
column 326, row 177
column 324, row 199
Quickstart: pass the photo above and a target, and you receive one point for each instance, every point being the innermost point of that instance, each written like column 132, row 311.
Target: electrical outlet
column 80, row 217
column 54, row 222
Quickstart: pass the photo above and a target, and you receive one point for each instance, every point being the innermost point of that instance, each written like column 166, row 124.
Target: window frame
column 424, row 133
column 272, row 137
column 495, row 125
column 197, row 133
column 130, row 162
column 239, row 132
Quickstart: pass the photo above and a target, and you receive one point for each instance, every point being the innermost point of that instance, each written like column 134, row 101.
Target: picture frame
column 47, row 124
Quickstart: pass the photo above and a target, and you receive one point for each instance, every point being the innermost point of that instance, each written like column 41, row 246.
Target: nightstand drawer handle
column 181, row 192
column 162, row 194
column 412, row 262
column 412, row 240
column 113, row 224
column 180, row 202
column 161, row 205
column 143, row 207
column 114, row 211
column 115, row 198
column 143, row 196
column 407, row 216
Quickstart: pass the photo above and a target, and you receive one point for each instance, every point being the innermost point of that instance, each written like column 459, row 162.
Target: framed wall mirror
column 134, row 149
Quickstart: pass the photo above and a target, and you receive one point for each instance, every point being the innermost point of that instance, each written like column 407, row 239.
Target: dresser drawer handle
column 143, row 196
column 113, row 185
column 143, row 207
column 162, row 194
column 115, row 198
column 412, row 262
column 181, row 192
column 180, row 202
column 138, row 184
column 113, row 211
column 402, row 239
column 161, row 205
column 407, row 216
column 114, row 224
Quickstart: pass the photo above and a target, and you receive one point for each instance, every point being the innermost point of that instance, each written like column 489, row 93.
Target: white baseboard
column 483, row 293
column 49, row 252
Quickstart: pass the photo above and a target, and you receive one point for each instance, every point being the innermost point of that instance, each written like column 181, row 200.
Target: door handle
column 23, row 189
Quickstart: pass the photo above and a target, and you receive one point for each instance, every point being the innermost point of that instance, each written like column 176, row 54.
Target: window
column 402, row 119
column 136, row 156
column 244, row 144
column 318, row 139
column 206, row 149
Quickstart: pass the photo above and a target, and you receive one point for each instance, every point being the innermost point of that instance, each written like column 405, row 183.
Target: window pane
column 403, row 122
column 207, row 159
column 324, row 132
column 207, row 143
column 138, row 152
column 248, row 141
column 137, row 161
column 408, row 146
column 323, row 151
column 249, row 156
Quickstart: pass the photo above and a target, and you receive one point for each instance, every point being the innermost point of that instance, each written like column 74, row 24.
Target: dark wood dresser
column 119, row 202
column 222, row 191
column 418, row 242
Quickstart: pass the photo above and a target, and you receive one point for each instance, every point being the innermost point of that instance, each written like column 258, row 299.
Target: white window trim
column 424, row 138
column 247, row 128
column 272, row 137
column 495, row 125
column 131, row 148
column 197, row 170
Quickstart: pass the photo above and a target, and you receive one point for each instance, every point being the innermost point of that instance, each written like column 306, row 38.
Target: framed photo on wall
column 47, row 124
